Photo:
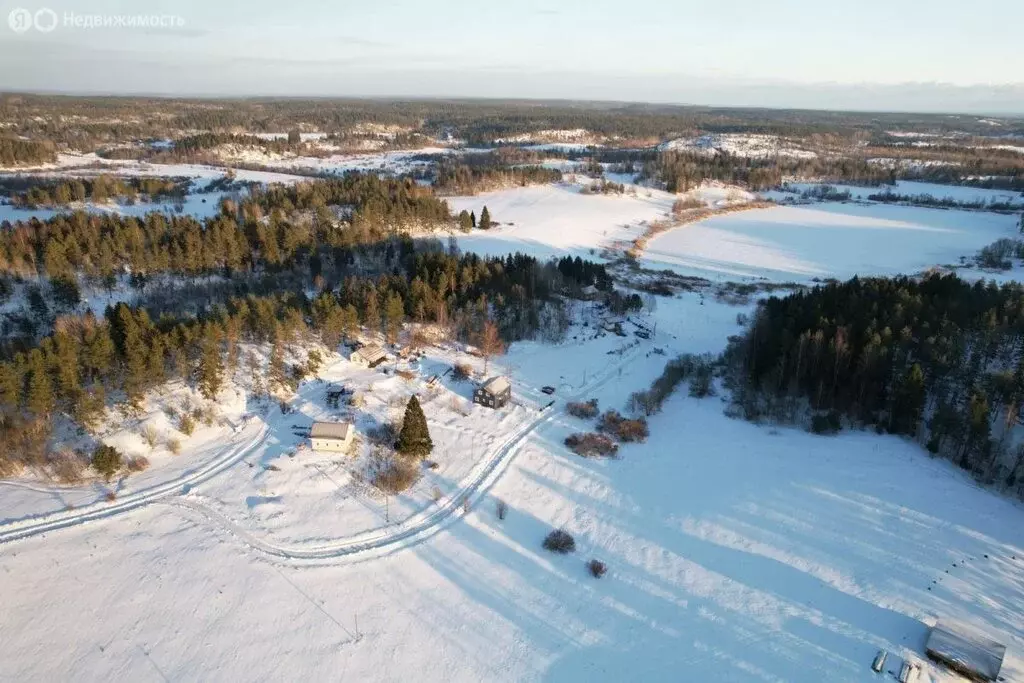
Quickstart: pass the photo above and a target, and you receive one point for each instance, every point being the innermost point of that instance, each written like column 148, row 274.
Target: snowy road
column 35, row 526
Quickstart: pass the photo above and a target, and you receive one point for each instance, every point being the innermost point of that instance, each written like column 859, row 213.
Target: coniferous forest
column 938, row 360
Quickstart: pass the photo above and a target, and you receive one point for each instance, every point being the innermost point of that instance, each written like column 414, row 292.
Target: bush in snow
column 597, row 568
column 384, row 434
column 396, row 475
column 591, row 445
column 622, row 428
column 186, row 424
column 67, row 467
column 137, row 463
column 461, row 372
column 560, row 541
column 106, row 460
column 582, row 410
column 702, row 384
column 174, row 446
column 150, row 436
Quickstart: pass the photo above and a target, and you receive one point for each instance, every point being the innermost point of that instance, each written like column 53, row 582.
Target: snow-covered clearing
column 197, row 204
column 826, row 240
column 395, row 162
column 739, row 144
column 960, row 193
column 555, row 220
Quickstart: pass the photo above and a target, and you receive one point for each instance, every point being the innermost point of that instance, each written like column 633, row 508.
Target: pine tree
column 39, row 387
column 414, row 439
column 134, row 352
column 908, row 402
column 276, row 371
column 472, row 218
column 351, row 321
column 211, row 366
column 394, row 314
column 485, row 219
column 106, row 460
column 465, row 222
column 371, row 311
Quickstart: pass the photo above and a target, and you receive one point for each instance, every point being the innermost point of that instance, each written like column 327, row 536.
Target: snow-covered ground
column 735, row 553
column 739, row 144
column 555, row 220
column 381, row 162
column 198, row 204
column 826, row 240
column 907, row 187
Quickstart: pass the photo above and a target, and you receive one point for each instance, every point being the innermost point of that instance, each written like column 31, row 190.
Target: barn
column 494, row 393
column 369, row 355
column 331, row 436
column 969, row 654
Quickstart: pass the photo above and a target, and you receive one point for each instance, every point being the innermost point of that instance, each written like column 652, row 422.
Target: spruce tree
column 485, row 219
column 211, row 367
column 394, row 314
column 39, row 389
column 472, row 218
column 414, row 439
column 106, row 460
column 465, row 222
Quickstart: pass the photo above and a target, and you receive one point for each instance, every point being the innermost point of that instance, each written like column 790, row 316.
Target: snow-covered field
column 908, row 187
column 739, row 144
column 826, row 240
column 198, row 204
column 555, row 220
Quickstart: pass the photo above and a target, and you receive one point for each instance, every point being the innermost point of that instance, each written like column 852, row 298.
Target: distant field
column 826, row 240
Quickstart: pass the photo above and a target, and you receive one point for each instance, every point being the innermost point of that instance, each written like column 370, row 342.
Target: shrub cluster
column 622, row 428
column 397, row 475
column 585, row 410
column 592, row 445
column 597, row 568
column 560, row 541
column 677, row 370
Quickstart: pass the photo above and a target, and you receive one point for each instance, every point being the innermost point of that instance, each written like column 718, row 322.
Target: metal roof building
column 969, row 654
column 369, row 356
column 331, row 436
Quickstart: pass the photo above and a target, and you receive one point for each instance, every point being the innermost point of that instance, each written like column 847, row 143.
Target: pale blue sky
column 854, row 54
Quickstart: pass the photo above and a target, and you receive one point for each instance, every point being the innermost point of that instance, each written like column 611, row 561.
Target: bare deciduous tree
column 490, row 342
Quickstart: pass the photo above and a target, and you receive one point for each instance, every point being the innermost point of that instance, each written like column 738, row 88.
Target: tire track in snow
column 34, row 526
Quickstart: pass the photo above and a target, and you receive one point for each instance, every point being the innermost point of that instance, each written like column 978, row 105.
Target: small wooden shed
column 969, row 654
column 494, row 393
column 369, row 355
column 335, row 437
